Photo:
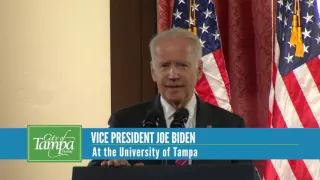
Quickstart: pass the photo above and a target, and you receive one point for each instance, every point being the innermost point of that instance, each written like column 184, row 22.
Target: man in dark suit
column 206, row 114
column 176, row 66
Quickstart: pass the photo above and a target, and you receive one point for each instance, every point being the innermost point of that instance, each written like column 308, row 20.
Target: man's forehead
column 176, row 45
column 175, row 40
column 173, row 57
column 172, row 49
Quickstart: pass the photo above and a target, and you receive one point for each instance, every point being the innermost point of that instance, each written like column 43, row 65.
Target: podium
column 169, row 172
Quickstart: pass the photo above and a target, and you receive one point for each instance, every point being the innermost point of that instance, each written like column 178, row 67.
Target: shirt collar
column 169, row 110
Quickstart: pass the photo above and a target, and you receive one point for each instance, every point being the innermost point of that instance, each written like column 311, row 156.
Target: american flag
column 214, row 86
column 294, row 100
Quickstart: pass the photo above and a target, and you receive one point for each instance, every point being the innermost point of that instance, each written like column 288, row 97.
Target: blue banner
column 158, row 144
column 13, row 143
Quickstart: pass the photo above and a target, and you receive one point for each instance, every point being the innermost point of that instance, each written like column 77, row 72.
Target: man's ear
column 199, row 69
column 152, row 71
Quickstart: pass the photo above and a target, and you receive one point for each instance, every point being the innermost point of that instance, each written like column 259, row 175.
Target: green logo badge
column 51, row 143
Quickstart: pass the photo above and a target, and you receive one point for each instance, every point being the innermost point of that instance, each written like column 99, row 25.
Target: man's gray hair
column 196, row 47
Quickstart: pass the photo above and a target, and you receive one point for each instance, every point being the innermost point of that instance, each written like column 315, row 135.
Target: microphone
column 180, row 117
column 152, row 119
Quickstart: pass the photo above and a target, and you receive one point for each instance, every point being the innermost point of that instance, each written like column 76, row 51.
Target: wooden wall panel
column 133, row 23
column 149, row 29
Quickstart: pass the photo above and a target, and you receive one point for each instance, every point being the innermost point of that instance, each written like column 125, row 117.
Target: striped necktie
column 181, row 162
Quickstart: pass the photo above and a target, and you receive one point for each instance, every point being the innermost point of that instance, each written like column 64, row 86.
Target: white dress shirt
column 191, row 106
column 168, row 111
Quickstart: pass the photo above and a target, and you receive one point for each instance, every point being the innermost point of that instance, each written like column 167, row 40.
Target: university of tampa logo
column 54, row 143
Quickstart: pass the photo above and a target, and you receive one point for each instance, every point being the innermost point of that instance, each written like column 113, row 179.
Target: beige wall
column 54, row 69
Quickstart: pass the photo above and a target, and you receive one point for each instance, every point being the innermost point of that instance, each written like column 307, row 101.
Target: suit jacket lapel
column 202, row 121
column 203, row 114
column 157, row 105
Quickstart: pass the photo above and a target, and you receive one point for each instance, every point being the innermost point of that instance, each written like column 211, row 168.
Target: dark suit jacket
column 207, row 115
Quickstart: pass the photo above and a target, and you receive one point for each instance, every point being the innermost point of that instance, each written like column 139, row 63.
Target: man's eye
column 182, row 65
column 164, row 65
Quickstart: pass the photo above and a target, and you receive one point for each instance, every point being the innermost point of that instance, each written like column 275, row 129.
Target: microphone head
column 152, row 119
column 180, row 117
column 177, row 124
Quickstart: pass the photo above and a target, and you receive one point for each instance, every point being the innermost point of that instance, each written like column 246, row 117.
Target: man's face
column 175, row 70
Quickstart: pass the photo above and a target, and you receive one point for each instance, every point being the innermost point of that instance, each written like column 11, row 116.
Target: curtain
column 246, row 35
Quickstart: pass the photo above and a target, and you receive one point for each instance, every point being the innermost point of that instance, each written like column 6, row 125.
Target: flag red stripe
column 300, row 169
column 299, row 101
column 277, row 118
column 271, row 173
column 218, row 56
column 314, row 67
column 204, row 91
column 269, row 119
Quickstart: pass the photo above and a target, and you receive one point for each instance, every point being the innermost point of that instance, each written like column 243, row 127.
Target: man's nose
column 173, row 73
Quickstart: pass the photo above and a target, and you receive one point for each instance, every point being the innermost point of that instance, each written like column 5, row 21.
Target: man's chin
column 175, row 99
